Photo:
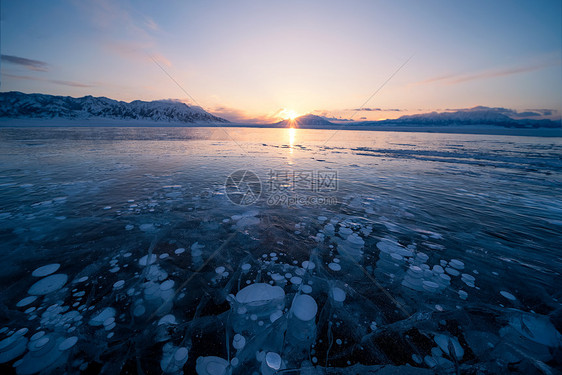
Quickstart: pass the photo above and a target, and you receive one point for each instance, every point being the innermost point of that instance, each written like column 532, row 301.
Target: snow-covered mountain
column 476, row 115
column 39, row 106
column 471, row 116
column 305, row 120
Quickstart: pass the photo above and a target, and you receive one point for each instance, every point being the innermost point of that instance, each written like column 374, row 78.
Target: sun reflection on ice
column 291, row 134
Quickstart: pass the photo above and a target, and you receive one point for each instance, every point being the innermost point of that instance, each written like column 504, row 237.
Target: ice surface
column 536, row 328
column 407, row 273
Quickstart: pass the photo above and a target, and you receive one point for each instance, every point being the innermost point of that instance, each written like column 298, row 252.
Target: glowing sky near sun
column 265, row 60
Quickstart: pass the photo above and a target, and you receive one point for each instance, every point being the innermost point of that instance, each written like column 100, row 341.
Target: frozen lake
column 124, row 252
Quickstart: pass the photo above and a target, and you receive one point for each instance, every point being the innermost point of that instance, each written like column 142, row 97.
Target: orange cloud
column 242, row 117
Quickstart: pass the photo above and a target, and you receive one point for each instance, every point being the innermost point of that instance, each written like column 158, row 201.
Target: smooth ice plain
column 122, row 253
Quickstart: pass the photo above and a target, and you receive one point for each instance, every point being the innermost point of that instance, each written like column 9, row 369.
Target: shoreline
column 456, row 129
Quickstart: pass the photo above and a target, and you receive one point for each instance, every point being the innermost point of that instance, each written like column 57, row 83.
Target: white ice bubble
column 167, row 285
column 438, row 269
column 334, row 267
column 167, row 319
column 239, row 341
column 179, row 251
column 146, row 260
column 307, row 265
column 38, row 344
column 389, row 246
column 109, row 321
column 48, row 284
column 463, row 294
column 26, row 301
column 220, row 270
column 508, row 295
column 451, row 271
column 273, row 360
column 455, row 263
column 430, row 286
column 259, row 292
column 306, row 289
column 119, row 284
column 16, row 347
column 99, row 319
column 37, row 335
column 181, row 354
column 139, row 310
column 68, row 343
column 129, row 227
column 296, row 280
column 304, row 307
column 147, row 227
column 45, row 270
column 337, row 294
column 211, row 366
column 444, row 341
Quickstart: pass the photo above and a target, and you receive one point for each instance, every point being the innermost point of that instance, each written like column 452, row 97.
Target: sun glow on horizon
column 288, row 114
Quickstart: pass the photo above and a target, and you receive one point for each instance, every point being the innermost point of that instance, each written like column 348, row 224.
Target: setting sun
column 288, row 114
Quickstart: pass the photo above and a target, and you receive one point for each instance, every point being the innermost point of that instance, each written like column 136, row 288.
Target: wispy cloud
column 240, row 116
column 149, row 22
column 374, row 109
column 136, row 51
column 30, row 64
column 135, row 30
column 452, row 79
column 55, row 81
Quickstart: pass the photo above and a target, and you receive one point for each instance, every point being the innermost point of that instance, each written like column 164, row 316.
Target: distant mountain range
column 472, row 116
column 18, row 105
column 303, row 121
